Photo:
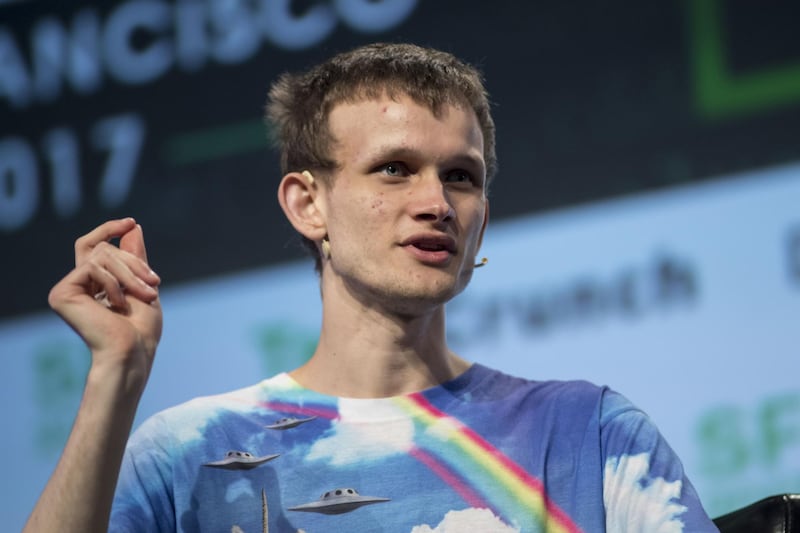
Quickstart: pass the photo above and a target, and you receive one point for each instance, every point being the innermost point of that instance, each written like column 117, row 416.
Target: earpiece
column 326, row 247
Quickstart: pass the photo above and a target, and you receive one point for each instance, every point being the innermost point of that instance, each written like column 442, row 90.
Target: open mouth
column 432, row 250
column 432, row 243
column 430, row 247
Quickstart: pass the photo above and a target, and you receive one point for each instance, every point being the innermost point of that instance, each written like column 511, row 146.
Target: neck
column 371, row 352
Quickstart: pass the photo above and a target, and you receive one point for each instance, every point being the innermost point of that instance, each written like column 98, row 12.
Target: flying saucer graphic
column 288, row 423
column 236, row 460
column 338, row 501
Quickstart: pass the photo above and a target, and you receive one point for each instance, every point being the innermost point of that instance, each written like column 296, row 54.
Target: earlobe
column 300, row 198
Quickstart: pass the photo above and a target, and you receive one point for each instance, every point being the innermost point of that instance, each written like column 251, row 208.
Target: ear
column 302, row 202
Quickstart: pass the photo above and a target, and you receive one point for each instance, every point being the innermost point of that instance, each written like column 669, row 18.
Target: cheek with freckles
column 365, row 213
column 377, row 204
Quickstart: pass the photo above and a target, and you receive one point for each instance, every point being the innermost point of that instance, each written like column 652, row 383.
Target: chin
column 421, row 298
column 410, row 293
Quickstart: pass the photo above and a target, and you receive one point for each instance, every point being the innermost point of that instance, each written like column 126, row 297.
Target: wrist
column 117, row 377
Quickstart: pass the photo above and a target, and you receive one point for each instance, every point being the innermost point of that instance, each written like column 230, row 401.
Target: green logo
column 283, row 346
column 60, row 368
column 718, row 92
column 747, row 453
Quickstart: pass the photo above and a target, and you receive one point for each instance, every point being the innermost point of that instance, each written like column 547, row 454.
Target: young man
column 387, row 152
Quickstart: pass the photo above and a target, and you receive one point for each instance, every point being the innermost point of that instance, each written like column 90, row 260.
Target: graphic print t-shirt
column 486, row 452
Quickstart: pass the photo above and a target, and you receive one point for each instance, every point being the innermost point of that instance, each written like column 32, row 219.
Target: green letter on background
column 723, row 442
column 779, row 420
column 719, row 94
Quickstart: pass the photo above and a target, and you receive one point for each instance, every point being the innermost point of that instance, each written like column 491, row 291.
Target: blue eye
column 395, row 169
column 392, row 169
column 458, row 176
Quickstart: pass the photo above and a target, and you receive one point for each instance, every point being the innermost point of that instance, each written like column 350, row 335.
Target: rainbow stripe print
column 482, row 474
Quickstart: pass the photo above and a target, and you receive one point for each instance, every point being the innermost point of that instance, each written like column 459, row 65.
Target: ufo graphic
column 338, row 501
column 236, row 460
column 288, row 423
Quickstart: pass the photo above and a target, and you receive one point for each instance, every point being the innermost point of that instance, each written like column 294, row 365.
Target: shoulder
column 186, row 421
column 578, row 399
column 490, row 378
column 496, row 380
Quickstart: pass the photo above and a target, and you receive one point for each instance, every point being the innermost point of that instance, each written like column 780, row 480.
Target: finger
column 115, row 273
column 89, row 283
column 133, row 242
column 102, row 233
column 130, row 272
column 112, row 293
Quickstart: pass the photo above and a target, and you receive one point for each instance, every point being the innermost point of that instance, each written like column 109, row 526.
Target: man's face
column 406, row 209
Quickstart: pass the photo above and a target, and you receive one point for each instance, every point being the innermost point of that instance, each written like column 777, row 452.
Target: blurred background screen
column 645, row 227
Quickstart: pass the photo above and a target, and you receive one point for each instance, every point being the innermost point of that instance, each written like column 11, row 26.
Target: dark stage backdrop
column 153, row 109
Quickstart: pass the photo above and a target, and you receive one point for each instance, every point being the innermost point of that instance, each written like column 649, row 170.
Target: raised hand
column 111, row 300
column 111, row 297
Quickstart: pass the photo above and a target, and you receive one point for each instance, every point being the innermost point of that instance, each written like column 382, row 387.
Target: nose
column 431, row 201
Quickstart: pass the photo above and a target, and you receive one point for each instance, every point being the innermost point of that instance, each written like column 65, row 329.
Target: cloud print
column 472, row 520
column 637, row 502
column 364, row 434
column 195, row 415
